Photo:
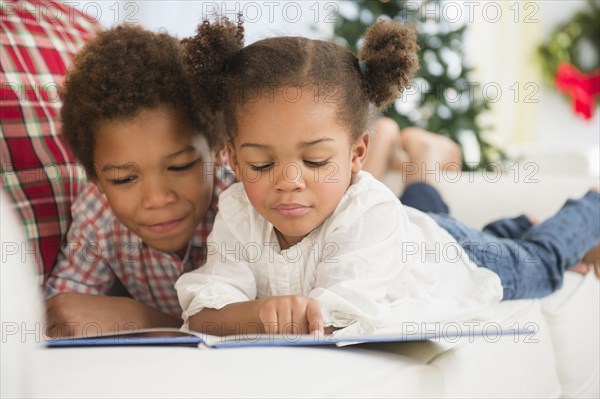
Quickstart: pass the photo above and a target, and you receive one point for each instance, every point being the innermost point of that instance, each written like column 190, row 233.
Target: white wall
column 180, row 17
column 503, row 51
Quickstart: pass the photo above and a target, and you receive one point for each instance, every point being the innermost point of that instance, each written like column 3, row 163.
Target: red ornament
column 583, row 88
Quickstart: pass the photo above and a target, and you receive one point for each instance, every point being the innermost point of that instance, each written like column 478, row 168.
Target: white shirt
column 373, row 263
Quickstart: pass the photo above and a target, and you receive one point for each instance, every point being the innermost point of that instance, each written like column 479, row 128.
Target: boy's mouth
column 164, row 227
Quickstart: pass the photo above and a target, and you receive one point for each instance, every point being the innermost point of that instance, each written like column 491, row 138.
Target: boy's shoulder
column 90, row 200
column 91, row 211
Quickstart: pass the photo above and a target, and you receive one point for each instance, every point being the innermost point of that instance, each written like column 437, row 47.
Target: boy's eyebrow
column 129, row 165
column 302, row 144
column 189, row 148
column 117, row 166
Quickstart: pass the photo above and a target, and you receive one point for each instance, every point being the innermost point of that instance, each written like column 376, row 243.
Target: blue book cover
column 148, row 337
column 448, row 332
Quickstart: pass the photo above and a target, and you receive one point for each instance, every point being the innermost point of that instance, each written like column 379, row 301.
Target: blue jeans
column 530, row 260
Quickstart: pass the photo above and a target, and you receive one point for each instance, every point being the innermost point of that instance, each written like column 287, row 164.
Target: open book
column 450, row 332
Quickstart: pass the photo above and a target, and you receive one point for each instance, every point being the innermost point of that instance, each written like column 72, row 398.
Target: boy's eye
column 125, row 180
column 316, row 164
column 181, row 168
column 261, row 167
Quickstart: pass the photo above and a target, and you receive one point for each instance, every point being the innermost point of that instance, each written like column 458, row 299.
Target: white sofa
column 562, row 359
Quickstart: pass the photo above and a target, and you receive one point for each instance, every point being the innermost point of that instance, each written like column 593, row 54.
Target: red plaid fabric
column 99, row 250
column 38, row 41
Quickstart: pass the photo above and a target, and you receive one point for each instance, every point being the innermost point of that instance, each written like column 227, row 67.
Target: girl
column 306, row 241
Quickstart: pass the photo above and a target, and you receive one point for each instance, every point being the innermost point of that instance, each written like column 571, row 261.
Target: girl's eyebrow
column 308, row 143
column 302, row 144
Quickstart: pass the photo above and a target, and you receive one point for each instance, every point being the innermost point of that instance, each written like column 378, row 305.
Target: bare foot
column 429, row 153
column 581, row 268
column 592, row 258
column 591, row 261
column 382, row 146
column 400, row 157
column 532, row 219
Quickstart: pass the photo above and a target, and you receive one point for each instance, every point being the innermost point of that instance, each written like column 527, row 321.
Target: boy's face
column 295, row 160
column 157, row 175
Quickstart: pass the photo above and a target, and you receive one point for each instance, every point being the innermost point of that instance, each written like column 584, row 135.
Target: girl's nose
column 289, row 178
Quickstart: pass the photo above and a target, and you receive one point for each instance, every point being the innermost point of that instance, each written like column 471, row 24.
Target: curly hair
column 119, row 73
column 388, row 59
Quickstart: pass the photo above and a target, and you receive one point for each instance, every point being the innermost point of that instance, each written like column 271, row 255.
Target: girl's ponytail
column 208, row 54
column 388, row 59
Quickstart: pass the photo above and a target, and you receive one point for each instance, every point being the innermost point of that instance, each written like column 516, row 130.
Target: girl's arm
column 72, row 314
column 220, row 298
column 273, row 315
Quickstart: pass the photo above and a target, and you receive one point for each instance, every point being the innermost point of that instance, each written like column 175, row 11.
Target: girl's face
column 295, row 160
column 156, row 173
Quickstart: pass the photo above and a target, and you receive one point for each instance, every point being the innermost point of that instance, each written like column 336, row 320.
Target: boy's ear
column 97, row 183
column 95, row 179
column 359, row 152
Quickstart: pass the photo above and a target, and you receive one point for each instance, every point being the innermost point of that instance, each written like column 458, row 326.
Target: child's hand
column 289, row 314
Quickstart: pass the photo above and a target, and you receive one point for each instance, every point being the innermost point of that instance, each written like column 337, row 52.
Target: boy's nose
column 157, row 194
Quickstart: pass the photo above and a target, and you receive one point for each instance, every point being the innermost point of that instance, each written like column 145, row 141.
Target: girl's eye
column 316, row 164
column 261, row 167
column 125, row 180
column 181, row 168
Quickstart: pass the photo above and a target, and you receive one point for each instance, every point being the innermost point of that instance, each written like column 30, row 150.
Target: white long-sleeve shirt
column 373, row 263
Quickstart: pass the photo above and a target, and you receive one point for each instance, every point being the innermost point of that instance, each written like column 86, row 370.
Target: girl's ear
column 359, row 152
column 233, row 161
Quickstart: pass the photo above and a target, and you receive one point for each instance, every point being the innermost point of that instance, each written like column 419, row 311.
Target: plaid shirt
column 38, row 41
column 99, row 250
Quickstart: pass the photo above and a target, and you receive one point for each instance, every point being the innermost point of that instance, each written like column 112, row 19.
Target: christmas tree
column 442, row 99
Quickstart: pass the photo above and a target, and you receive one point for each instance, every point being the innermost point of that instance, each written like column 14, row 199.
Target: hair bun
column 208, row 54
column 389, row 58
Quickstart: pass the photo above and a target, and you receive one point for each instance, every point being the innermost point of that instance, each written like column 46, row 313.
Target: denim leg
column 533, row 265
column 424, row 197
column 509, row 228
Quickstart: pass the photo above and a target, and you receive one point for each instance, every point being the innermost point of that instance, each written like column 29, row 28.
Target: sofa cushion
column 507, row 366
column 21, row 313
column 573, row 315
column 261, row 372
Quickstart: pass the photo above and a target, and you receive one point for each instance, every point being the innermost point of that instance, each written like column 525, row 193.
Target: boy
column 135, row 124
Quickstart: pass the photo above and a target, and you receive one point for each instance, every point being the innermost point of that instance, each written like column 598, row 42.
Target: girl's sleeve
column 354, row 276
column 226, row 277
column 373, row 277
